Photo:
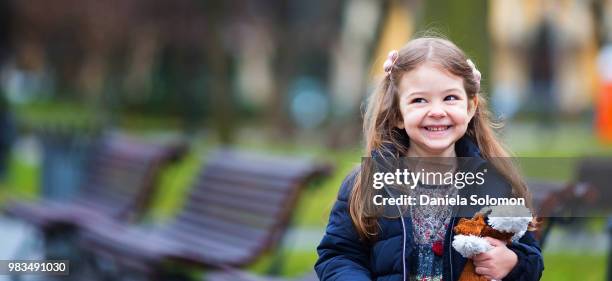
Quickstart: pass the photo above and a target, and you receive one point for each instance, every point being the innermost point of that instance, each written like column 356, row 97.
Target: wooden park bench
column 595, row 175
column 118, row 182
column 549, row 198
column 239, row 206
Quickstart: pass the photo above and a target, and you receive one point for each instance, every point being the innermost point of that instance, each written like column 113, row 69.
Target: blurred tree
column 5, row 29
column 304, row 36
column 7, row 132
column 360, row 34
column 217, row 58
column 542, row 57
column 133, row 56
column 179, row 58
column 465, row 23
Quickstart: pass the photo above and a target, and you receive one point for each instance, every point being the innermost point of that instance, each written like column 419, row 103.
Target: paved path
column 17, row 241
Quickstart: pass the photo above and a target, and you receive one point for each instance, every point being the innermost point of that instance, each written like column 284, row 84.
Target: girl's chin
column 438, row 140
column 437, row 147
column 438, row 150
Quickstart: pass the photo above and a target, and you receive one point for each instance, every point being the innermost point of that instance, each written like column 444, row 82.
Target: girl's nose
column 436, row 111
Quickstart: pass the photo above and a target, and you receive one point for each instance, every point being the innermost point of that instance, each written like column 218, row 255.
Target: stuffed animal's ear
column 510, row 219
column 470, row 226
column 470, row 245
column 510, row 224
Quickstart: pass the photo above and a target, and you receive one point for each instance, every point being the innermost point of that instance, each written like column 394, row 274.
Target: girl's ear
column 472, row 106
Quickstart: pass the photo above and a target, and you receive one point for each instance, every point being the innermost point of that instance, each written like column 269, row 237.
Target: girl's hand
column 497, row 262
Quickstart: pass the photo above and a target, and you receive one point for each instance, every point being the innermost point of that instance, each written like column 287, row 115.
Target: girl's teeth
column 437, row 128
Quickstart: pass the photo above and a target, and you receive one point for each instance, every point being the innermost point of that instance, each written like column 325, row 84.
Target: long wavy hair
column 383, row 114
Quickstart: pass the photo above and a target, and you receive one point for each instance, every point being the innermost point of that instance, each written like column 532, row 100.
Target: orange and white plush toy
column 505, row 223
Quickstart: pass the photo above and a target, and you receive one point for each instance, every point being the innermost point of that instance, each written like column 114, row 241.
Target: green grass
column 22, row 179
column 574, row 266
column 294, row 263
column 83, row 116
column 44, row 114
column 548, row 168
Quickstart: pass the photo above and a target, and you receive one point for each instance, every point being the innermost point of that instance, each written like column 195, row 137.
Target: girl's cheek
column 459, row 104
column 413, row 116
column 459, row 109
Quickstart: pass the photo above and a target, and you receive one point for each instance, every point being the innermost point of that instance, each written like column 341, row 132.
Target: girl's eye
column 451, row 98
column 418, row 100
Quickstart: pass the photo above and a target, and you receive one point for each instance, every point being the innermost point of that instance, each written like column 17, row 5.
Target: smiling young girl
column 428, row 105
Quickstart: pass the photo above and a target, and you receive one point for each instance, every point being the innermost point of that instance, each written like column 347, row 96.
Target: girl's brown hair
column 383, row 114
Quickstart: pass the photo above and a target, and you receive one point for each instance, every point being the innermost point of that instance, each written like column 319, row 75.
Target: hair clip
column 390, row 62
column 475, row 72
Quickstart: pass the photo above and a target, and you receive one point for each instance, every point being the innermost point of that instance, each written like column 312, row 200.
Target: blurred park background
column 290, row 78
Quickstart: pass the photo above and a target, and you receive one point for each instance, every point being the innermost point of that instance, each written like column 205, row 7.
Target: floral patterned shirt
column 429, row 224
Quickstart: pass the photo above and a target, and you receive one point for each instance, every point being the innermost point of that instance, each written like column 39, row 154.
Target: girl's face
column 435, row 110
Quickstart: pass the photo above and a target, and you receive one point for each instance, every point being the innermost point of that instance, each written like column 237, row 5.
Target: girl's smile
column 437, row 128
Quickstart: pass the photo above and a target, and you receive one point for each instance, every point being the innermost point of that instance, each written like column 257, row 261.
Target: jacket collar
column 465, row 147
column 469, row 153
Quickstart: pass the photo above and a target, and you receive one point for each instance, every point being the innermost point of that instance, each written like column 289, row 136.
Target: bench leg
column 104, row 267
column 545, row 231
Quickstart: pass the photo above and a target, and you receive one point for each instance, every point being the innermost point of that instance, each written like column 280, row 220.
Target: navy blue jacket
column 343, row 256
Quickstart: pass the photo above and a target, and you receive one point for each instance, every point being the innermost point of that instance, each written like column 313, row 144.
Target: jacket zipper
column 450, row 250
